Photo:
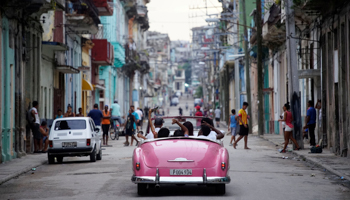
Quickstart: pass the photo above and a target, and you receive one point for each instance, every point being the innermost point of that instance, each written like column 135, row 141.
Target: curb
column 18, row 173
column 315, row 162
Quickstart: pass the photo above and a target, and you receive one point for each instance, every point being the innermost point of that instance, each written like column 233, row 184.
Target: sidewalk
column 337, row 165
column 19, row 166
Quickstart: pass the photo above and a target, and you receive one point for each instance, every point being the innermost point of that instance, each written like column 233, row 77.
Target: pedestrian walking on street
column 106, row 123
column 310, row 122
column 318, row 106
column 96, row 115
column 243, row 126
column 137, row 119
column 59, row 114
column 180, row 111
column 140, row 116
column 44, row 130
column 288, row 119
column 217, row 116
column 69, row 112
column 191, row 112
column 129, row 127
column 80, row 113
column 233, row 125
column 115, row 111
column 35, row 126
column 283, row 126
column 186, row 106
column 198, row 114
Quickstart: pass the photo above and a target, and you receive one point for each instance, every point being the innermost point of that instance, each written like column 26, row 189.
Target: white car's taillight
column 88, row 142
column 50, row 143
column 223, row 165
column 137, row 166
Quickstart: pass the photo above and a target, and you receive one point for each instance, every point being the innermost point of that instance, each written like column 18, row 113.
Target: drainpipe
column 0, row 88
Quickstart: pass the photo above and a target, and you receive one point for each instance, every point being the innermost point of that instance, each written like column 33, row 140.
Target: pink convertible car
column 179, row 161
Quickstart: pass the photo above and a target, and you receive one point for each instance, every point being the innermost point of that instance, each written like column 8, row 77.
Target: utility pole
column 293, row 72
column 260, row 69
column 247, row 66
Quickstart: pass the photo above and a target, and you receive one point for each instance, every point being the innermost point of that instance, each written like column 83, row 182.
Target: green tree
column 199, row 92
column 188, row 72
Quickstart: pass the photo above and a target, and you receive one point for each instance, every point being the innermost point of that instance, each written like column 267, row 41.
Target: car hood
column 179, row 153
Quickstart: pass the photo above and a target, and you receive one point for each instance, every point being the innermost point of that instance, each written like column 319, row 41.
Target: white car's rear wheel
column 99, row 155
column 93, row 156
column 141, row 189
column 51, row 159
column 59, row 159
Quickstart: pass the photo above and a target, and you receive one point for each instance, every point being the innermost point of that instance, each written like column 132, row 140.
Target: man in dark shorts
column 129, row 127
column 243, row 126
column 35, row 126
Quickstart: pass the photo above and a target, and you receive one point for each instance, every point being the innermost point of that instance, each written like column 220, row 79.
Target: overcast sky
column 174, row 16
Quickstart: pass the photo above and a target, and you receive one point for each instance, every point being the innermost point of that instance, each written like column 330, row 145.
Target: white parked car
column 74, row 136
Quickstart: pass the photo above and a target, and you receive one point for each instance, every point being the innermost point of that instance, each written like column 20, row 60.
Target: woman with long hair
column 288, row 133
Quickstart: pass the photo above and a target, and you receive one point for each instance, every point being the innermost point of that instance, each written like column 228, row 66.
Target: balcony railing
column 82, row 16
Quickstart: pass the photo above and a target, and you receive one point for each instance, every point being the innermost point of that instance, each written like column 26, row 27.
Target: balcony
column 102, row 53
column 104, row 7
column 128, row 4
column 119, row 54
column 82, row 17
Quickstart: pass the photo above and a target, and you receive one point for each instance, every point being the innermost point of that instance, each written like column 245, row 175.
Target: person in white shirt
column 217, row 116
column 140, row 114
column 35, row 126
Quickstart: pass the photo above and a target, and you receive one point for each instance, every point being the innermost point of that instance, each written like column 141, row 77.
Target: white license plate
column 69, row 144
column 179, row 172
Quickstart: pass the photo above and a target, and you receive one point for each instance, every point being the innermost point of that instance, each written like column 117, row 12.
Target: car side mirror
column 97, row 130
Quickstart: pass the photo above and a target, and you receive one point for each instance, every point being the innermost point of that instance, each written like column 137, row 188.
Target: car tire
column 50, row 159
column 99, row 155
column 141, row 189
column 93, row 156
column 59, row 159
column 220, row 189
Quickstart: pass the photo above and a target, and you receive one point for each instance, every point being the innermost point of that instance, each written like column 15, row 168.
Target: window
column 178, row 73
column 70, row 125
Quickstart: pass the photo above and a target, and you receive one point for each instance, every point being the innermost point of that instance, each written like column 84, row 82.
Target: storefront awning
column 86, row 86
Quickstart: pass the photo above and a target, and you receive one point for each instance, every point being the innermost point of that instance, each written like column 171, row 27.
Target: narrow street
column 259, row 173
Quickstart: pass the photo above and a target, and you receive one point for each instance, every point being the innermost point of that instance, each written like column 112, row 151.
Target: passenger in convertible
column 189, row 126
column 209, row 131
column 183, row 132
column 156, row 131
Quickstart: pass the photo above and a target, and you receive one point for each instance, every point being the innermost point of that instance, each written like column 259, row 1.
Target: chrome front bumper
column 180, row 180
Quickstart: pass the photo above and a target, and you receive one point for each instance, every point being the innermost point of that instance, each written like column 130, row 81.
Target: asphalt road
column 259, row 173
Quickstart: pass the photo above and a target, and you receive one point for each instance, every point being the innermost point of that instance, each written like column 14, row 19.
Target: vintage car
column 179, row 161
column 74, row 136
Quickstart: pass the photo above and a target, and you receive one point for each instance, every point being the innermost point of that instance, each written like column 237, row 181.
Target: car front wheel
column 220, row 189
column 141, row 189
column 93, row 156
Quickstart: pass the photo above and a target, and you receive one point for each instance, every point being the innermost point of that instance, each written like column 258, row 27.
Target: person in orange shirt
column 243, row 126
column 106, row 123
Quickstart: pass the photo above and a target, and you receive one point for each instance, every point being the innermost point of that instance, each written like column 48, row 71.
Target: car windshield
column 70, row 124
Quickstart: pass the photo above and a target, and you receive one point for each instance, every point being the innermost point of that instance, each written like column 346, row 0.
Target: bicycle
column 114, row 134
